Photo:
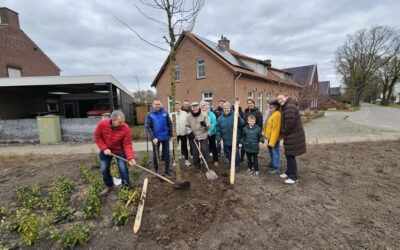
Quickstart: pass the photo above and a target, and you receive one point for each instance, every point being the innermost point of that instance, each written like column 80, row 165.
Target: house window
column 177, row 73
column 13, row 72
column 259, row 100
column 52, row 105
column 169, row 104
column 250, row 95
column 201, row 69
column 208, row 97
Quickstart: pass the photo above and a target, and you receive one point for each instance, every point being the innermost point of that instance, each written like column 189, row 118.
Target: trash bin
column 49, row 129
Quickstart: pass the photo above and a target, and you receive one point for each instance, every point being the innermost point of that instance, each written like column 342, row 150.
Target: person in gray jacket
column 197, row 125
column 181, row 117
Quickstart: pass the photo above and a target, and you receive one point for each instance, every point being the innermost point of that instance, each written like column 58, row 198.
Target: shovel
column 177, row 185
column 211, row 175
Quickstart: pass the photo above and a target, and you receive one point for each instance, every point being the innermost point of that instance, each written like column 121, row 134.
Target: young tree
column 180, row 16
column 362, row 55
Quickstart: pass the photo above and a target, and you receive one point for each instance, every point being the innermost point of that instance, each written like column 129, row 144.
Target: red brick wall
column 219, row 80
column 18, row 51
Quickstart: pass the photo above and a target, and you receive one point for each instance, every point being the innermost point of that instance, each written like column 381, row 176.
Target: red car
column 99, row 109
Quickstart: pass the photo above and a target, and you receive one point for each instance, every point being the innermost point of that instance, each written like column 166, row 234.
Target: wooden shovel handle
column 145, row 169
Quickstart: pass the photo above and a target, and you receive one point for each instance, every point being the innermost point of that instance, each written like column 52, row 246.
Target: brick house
column 307, row 77
column 328, row 94
column 212, row 71
column 20, row 56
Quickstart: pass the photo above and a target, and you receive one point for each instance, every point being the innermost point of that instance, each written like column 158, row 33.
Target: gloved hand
column 191, row 135
column 203, row 124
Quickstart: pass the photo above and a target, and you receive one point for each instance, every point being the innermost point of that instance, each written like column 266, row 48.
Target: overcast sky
column 84, row 38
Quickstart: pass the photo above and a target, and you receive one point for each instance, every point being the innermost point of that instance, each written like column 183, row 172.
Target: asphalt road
column 377, row 116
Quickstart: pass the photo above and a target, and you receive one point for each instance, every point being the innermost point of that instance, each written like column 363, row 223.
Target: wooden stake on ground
column 138, row 218
column 234, row 141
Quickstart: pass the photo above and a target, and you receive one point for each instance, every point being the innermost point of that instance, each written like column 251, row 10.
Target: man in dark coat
column 294, row 139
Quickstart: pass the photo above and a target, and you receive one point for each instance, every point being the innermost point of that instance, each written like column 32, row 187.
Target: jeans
column 196, row 155
column 228, row 153
column 291, row 170
column 252, row 160
column 275, row 156
column 105, row 163
column 165, row 154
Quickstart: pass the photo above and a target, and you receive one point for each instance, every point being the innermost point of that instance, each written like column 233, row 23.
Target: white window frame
column 169, row 105
column 250, row 95
column 208, row 97
column 200, row 63
column 13, row 72
column 260, row 99
column 177, row 73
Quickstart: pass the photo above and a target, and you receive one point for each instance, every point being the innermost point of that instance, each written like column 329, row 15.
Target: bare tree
column 180, row 17
column 362, row 55
column 388, row 76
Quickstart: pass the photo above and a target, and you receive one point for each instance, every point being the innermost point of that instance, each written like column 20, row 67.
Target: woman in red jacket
column 114, row 136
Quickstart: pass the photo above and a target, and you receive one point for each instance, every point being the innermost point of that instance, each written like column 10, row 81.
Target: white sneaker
column 283, row 176
column 249, row 171
column 255, row 173
column 215, row 164
column 290, row 181
column 187, row 163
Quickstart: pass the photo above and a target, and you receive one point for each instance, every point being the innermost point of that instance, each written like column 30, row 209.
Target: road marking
column 365, row 114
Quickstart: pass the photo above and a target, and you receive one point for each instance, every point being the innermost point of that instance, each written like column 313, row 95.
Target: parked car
column 99, row 109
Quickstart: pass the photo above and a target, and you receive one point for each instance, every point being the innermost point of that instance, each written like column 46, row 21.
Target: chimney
column 268, row 62
column 9, row 17
column 223, row 43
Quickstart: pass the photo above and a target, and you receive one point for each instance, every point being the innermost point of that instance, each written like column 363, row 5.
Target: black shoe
column 168, row 174
column 270, row 165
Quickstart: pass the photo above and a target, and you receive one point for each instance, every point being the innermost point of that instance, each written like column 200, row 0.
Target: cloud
column 84, row 37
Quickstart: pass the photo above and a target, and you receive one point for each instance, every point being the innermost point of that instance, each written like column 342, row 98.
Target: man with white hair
column 114, row 136
column 212, row 131
column 197, row 125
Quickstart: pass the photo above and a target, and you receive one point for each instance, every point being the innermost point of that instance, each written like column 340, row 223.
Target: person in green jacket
column 225, row 132
column 251, row 139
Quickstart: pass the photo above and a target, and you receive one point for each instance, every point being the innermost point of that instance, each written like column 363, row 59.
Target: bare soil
column 348, row 197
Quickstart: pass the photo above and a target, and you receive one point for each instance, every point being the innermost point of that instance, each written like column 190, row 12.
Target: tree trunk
column 173, row 96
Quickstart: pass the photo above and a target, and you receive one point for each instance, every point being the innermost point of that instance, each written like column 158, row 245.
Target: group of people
column 208, row 131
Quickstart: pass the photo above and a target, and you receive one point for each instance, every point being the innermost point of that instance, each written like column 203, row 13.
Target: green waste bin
column 49, row 129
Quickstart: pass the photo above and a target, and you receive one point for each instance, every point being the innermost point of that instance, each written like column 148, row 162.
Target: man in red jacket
column 114, row 136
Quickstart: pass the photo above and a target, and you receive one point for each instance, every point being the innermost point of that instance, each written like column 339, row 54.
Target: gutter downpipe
column 237, row 78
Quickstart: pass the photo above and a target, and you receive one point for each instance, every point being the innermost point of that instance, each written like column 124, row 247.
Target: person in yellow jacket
column 272, row 134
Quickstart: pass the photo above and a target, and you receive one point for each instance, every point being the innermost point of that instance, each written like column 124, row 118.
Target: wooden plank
column 138, row 218
column 234, row 142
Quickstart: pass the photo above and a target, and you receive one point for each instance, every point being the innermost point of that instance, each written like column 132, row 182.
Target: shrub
column 120, row 215
column 28, row 226
column 60, row 194
column 91, row 205
column 77, row 234
column 126, row 193
column 28, row 197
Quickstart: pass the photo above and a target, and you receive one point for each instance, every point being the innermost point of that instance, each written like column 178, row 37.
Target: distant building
column 211, row 71
column 328, row 94
column 20, row 56
column 307, row 77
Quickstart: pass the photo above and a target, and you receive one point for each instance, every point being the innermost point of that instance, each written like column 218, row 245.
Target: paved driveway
column 377, row 116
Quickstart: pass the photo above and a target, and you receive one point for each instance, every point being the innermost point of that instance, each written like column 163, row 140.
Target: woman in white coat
column 181, row 130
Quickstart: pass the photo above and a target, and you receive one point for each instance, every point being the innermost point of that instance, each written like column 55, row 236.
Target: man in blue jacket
column 159, row 128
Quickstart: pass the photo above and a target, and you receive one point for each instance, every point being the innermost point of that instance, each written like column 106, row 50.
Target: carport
column 66, row 96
